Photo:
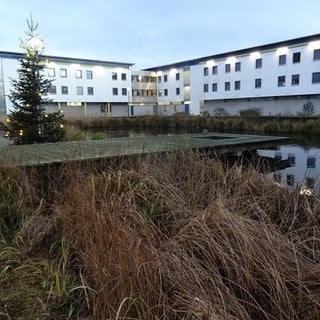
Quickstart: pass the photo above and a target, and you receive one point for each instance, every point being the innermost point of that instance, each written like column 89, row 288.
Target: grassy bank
column 262, row 125
column 176, row 236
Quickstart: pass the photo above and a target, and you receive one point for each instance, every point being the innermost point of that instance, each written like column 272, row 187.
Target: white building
column 278, row 77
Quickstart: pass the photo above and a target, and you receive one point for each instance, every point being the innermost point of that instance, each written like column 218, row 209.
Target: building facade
column 278, row 78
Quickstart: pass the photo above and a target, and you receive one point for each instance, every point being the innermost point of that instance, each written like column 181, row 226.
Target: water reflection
column 304, row 167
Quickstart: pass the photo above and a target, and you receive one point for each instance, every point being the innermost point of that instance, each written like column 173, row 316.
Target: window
column 63, row 73
column 165, row 92
column 238, row 66
column 90, row 91
column 115, row 91
column 205, row 71
column 214, row 87
column 124, row 91
column 282, row 59
column 215, row 70
column 281, row 81
column 205, row 87
column 227, row 67
column 295, row 79
column 316, row 54
column 296, row 57
column 123, row 76
column 159, row 93
column 79, row 91
column 159, row 79
column 257, row 83
column 292, row 159
column 311, row 162
column 165, row 78
column 315, row 77
column 237, row 85
column 78, row 74
column 177, row 76
column 258, row 63
column 103, row 109
column 227, row 86
column 51, row 72
column 177, row 91
column 114, row 76
column 53, row 90
column 64, row 90
column 89, row 74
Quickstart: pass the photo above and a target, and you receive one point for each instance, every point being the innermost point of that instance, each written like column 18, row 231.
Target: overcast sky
column 155, row 32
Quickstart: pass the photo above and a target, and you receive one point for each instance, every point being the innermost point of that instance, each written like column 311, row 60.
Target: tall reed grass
column 177, row 236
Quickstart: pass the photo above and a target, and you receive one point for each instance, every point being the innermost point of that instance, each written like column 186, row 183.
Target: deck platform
column 54, row 153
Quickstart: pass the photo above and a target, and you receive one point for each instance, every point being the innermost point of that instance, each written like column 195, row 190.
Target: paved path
column 50, row 153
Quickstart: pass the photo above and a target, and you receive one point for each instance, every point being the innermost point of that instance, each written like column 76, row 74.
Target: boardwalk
column 50, row 153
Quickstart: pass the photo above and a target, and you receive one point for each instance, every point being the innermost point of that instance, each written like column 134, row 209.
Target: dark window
column 282, row 59
column 205, row 71
column 281, row 81
column 124, row 91
column 237, row 85
column 215, row 70
column 295, row 79
column 177, row 76
column 159, row 79
column 177, row 91
column 316, row 54
column 214, row 87
column 311, row 162
column 257, row 83
column 238, row 66
column 90, row 91
column 79, row 91
column 115, row 91
column 315, row 77
column 227, row 67
column 292, row 159
column 53, row 90
column 63, row 73
column 123, row 76
column 296, row 57
column 258, row 63
column 64, row 90
column 114, row 76
column 227, row 86
column 205, row 87
column 103, row 109
column 165, row 92
column 165, row 78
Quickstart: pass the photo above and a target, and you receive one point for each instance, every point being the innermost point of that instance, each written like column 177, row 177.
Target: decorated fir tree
column 28, row 122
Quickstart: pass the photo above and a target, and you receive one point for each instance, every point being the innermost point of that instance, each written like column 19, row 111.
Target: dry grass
column 182, row 236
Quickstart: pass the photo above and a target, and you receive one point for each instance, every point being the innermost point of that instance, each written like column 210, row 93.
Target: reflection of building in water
column 304, row 170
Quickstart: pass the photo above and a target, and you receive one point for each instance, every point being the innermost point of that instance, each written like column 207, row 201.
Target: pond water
column 303, row 171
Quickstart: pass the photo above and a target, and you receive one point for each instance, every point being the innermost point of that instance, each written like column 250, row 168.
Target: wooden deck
column 52, row 153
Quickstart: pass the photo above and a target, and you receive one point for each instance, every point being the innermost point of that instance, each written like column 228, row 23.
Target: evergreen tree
column 28, row 122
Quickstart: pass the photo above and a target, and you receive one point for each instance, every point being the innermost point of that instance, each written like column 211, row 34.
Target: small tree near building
column 28, row 122
column 307, row 109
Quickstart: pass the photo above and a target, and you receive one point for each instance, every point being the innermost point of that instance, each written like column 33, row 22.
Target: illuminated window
column 296, row 57
column 79, row 91
column 89, row 74
column 51, row 72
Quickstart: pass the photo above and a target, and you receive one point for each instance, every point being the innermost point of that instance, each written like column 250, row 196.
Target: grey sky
column 155, row 32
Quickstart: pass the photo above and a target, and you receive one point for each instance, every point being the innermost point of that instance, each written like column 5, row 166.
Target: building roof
column 16, row 55
column 224, row 55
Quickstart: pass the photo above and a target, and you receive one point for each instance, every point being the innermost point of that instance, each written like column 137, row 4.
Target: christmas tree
column 28, row 122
